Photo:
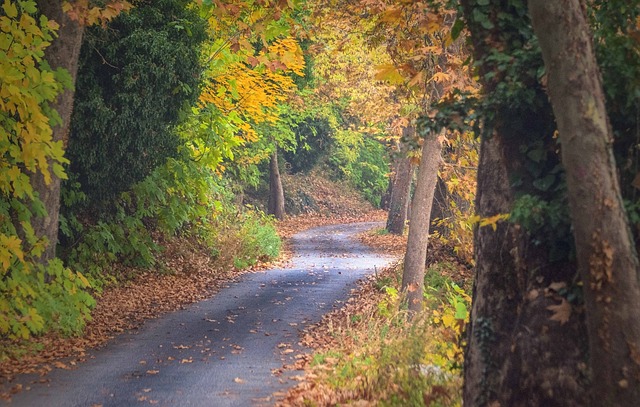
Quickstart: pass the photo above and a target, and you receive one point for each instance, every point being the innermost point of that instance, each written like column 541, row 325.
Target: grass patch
column 368, row 351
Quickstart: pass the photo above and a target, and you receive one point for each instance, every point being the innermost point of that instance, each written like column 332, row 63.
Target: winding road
column 221, row 351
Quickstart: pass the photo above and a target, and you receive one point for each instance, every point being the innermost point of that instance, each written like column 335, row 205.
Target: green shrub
column 175, row 196
column 136, row 77
column 242, row 238
column 51, row 298
column 361, row 161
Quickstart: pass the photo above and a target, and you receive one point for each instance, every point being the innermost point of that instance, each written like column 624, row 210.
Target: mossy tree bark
column 526, row 342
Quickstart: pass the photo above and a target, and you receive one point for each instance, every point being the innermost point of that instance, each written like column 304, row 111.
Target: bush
column 242, row 238
column 135, row 78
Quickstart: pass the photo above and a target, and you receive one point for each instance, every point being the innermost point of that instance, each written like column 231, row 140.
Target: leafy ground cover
column 367, row 353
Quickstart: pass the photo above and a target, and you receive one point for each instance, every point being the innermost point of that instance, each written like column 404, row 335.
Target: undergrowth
column 377, row 355
column 177, row 201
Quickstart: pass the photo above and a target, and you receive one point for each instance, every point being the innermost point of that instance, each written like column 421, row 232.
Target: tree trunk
column 385, row 199
column 522, row 350
column 607, row 260
column 401, row 190
column 276, row 193
column 416, row 255
column 63, row 53
column 441, row 207
column 494, row 306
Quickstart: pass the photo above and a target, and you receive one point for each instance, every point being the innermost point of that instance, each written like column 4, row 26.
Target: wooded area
column 505, row 132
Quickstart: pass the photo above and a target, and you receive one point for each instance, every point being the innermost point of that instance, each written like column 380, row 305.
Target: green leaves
column 29, row 302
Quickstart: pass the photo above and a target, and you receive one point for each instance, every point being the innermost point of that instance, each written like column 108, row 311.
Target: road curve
column 220, row 351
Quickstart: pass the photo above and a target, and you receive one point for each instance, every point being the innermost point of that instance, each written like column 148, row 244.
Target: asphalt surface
column 221, row 351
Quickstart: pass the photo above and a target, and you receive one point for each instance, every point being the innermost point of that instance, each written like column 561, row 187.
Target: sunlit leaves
column 88, row 14
column 249, row 74
column 389, row 73
column 29, row 302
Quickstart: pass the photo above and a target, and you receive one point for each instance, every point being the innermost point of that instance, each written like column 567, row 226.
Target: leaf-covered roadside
column 366, row 353
column 186, row 273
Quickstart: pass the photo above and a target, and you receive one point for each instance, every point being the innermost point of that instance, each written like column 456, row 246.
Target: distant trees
column 400, row 197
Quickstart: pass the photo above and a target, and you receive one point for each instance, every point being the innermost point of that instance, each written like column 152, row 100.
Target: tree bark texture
column 385, row 199
column 401, row 190
column 441, row 207
column 276, row 192
column 63, row 52
column 516, row 355
column 416, row 255
column 606, row 255
column 520, row 352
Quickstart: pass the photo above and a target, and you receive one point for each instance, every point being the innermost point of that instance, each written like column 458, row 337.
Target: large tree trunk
column 526, row 342
column 385, row 199
column 441, row 207
column 401, row 189
column 496, row 294
column 416, row 255
column 62, row 53
column 607, row 260
column 276, row 192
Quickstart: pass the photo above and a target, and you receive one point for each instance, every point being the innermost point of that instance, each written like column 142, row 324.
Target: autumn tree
column 63, row 53
column 251, row 66
column 276, row 193
column 400, row 196
column 38, row 50
column 528, row 340
column 607, row 260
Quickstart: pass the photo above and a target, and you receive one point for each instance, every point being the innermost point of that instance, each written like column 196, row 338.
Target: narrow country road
column 221, row 351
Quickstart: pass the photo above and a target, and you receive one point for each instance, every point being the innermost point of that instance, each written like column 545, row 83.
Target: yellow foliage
column 253, row 94
column 25, row 133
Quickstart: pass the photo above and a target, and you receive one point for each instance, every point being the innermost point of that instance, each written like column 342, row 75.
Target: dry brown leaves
column 314, row 194
column 329, row 334
column 186, row 274
column 394, row 245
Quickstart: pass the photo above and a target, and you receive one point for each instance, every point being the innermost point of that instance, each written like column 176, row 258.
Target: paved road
column 221, row 351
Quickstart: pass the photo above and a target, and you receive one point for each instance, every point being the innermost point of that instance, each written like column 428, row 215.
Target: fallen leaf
column 153, row 371
column 60, row 365
column 557, row 286
column 238, row 380
column 561, row 312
